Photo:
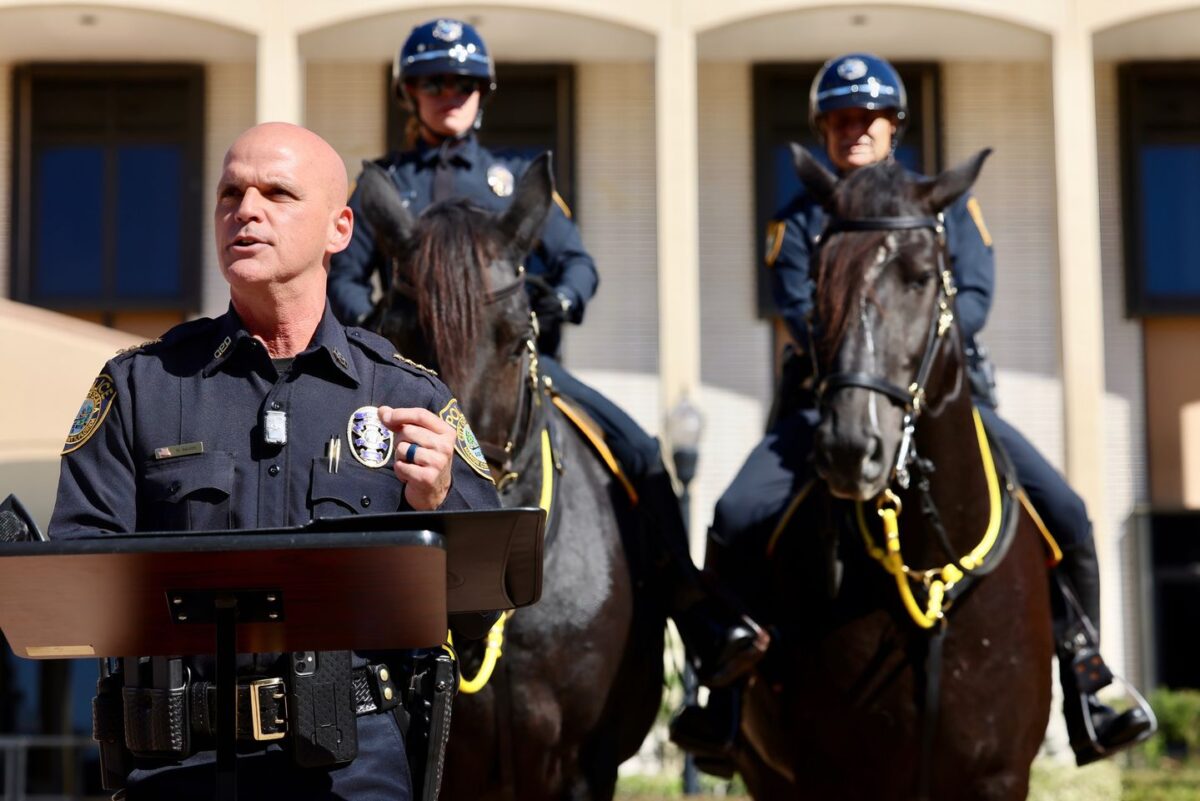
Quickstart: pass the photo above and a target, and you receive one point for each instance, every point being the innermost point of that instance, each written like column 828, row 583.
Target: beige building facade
column 666, row 137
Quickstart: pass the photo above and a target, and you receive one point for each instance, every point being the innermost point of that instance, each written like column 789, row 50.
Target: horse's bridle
column 912, row 398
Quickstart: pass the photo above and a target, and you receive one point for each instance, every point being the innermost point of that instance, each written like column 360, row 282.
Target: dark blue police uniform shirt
column 559, row 256
column 971, row 261
column 210, row 381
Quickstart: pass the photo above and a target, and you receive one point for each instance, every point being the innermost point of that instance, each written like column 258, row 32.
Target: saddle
column 594, row 436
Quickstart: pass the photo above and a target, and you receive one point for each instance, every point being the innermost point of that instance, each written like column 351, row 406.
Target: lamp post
column 685, row 424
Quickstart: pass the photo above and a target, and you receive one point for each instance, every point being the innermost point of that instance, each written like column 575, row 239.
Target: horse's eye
column 919, row 281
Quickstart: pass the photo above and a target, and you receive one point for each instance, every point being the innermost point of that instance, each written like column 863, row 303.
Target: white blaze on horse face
column 866, row 311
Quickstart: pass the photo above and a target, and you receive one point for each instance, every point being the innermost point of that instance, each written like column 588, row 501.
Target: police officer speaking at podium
column 272, row 414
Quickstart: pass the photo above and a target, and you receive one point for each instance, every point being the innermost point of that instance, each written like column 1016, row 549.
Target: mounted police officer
column 858, row 109
column 239, row 422
column 444, row 75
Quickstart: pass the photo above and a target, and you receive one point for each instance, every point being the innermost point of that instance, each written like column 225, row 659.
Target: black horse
column 578, row 685
column 907, row 583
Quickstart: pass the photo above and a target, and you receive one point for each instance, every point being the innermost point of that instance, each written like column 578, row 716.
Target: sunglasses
column 434, row 85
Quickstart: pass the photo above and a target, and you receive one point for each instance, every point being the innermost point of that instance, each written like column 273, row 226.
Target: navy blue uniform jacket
column 210, row 382
column 559, row 257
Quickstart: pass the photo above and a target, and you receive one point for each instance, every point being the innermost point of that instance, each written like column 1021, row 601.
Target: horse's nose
column 872, row 463
column 851, row 464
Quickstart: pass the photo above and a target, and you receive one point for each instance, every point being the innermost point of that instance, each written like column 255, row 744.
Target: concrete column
column 1080, row 297
column 280, row 73
column 678, row 214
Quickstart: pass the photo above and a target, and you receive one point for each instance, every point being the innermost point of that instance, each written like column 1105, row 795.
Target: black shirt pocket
column 188, row 493
column 354, row 489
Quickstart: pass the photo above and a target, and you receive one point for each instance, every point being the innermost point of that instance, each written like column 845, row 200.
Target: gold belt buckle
column 256, row 687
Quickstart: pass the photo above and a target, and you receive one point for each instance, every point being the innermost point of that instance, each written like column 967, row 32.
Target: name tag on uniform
column 184, row 449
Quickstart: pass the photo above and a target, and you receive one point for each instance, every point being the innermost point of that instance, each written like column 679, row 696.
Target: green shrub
column 1178, row 737
column 652, row 788
column 1160, row 785
column 1054, row 780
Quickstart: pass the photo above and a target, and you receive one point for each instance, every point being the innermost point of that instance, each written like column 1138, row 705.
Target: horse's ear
column 819, row 181
column 948, row 187
column 383, row 209
column 522, row 222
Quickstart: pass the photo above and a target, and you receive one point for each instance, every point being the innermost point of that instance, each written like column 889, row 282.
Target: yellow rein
column 941, row 580
column 495, row 635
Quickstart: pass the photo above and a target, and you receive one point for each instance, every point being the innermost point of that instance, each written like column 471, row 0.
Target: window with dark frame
column 1160, row 160
column 532, row 110
column 781, row 117
column 107, row 178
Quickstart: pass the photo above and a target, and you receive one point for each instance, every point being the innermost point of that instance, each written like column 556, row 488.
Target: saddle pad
column 595, row 437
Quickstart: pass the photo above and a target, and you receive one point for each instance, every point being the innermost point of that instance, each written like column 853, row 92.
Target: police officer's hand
column 552, row 309
column 427, row 477
column 552, row 305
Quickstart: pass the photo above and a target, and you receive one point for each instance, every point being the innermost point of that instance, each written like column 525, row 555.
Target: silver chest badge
column 370, row 440
column 500, row 179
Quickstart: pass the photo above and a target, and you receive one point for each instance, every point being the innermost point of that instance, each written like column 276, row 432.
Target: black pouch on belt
column 154, row 702
column 108, row 728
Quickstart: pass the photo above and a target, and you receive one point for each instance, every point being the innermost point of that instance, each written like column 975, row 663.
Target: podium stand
column 378, row 582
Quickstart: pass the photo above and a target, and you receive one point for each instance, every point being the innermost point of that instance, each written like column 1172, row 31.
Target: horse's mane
column 451, row 250
column 883, row 189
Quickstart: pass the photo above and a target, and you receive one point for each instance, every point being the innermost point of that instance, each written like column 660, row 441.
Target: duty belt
column 262, row 703
column 159, row 717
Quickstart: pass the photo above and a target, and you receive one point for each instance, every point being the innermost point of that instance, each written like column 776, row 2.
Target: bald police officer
column 235, row 422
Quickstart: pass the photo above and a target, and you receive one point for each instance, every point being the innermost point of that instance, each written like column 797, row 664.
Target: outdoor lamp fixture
column 685, row 424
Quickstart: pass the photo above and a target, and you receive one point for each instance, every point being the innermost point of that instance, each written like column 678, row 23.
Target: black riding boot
column 722, row 643
column 1096, row 730
column 709, row 732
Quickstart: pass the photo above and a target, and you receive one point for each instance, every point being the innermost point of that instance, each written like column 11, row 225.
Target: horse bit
column 912, row 399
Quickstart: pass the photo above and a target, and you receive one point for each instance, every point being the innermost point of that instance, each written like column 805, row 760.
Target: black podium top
column 370, row 582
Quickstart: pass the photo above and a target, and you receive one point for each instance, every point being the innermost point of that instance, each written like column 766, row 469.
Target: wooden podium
column 370, row 582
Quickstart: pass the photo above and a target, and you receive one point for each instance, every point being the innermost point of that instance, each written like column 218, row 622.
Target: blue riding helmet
column 857, row 80
column 443, row 47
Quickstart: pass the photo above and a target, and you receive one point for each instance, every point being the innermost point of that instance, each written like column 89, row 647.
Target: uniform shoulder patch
column 977, row 215
column 775, row 232
column 92, row 411
column 465, row 442
column 411, row 363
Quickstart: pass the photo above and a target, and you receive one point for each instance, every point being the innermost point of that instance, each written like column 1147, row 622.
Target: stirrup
column 1099, row 750
column 709, row 731
column 743, row 645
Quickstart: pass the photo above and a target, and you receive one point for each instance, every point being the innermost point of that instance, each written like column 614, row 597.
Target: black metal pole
column 685, row 469
column 226, row 698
